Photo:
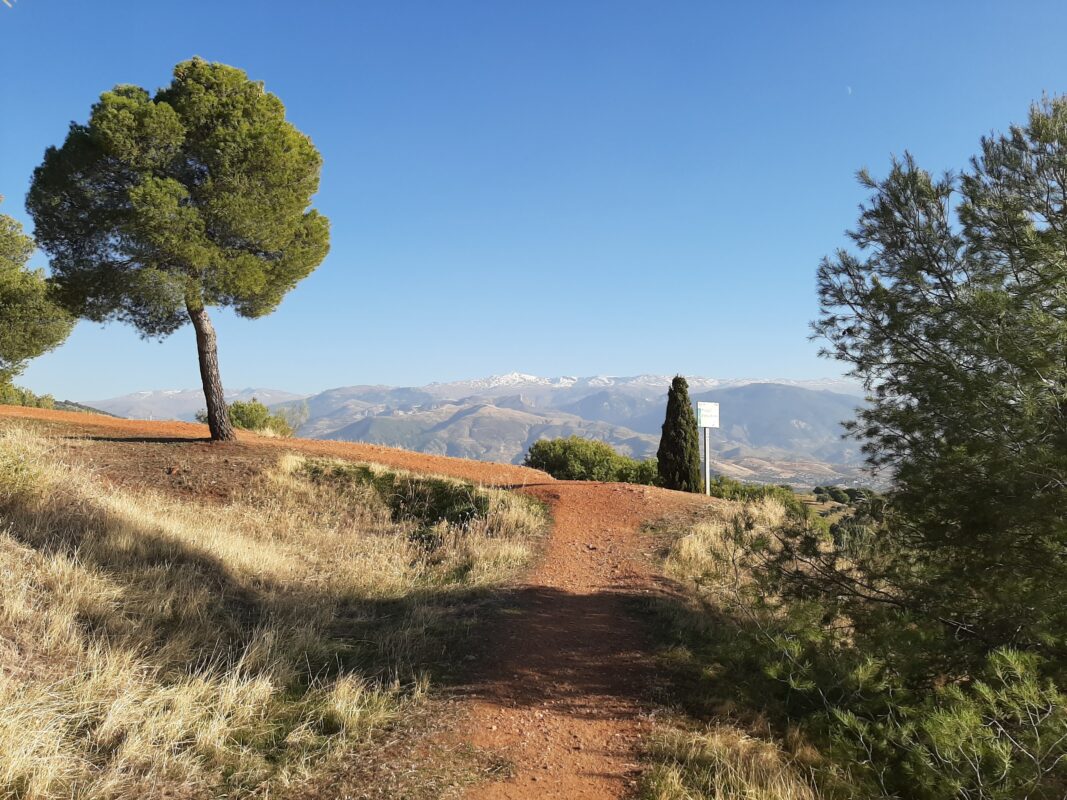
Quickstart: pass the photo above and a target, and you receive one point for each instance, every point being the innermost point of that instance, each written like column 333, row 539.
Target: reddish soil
column 178, row 457
column 569, row 681
column 566, row 683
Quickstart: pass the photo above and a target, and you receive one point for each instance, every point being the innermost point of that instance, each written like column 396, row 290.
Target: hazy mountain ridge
column 180, row 404
column 771, row 430
column 485, row 431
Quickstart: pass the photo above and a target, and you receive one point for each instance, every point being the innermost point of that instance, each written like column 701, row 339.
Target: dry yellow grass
column 154, row 647
column 724, row 759
column 708, row 556
column 722, row 763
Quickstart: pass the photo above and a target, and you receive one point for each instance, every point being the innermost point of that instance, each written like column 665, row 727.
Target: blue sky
column 551, row 187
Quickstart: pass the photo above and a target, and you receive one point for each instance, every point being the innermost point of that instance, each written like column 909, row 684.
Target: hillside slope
column 486, row 431
column 192, row 545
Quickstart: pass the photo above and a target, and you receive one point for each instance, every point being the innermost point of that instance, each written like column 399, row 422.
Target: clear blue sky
column 552, row 187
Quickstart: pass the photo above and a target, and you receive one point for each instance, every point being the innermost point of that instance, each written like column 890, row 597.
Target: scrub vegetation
column 785, row 691
column 256, row 417
column 574, row 458
column 917, row 646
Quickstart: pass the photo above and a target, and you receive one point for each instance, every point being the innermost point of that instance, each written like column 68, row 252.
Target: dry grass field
column 297, row 619
column 154, row 645
column 732, row 753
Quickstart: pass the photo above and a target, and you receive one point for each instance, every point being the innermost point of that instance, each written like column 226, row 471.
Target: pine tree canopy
column 30, row 323
column 162, row 206
column 195, row 197
column 953, row 310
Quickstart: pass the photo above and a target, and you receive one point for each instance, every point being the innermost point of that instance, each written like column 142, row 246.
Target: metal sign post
column 707, row 418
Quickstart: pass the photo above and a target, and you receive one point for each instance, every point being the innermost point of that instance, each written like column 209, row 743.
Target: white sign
column 707, row 415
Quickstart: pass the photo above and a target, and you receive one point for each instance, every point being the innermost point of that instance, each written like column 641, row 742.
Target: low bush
column 576, row 459
column 826, row 494
column 428, row 506
column 254, row 416
column 633, row 471
column 848, row 496
column 11, row 395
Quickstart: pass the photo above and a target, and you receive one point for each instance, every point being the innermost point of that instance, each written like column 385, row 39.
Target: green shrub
column 858, row 495
column 254, row 416
column 576, row 459
column 1002, row 737
column 634, row 471
column 11, row 395
column 838, row 495
column 825, row 494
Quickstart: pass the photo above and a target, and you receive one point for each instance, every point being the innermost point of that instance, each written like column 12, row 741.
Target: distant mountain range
column 776, row 431
column 179, row 403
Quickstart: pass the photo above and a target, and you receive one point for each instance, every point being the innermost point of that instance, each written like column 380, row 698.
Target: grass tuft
column 721, row 762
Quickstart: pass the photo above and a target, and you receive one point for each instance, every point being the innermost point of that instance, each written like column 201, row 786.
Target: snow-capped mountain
column 534, row 385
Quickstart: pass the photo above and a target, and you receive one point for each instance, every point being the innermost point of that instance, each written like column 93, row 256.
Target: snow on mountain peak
column 513, row 378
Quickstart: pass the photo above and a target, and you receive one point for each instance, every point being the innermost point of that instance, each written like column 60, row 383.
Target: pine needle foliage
column 164, row 205
column 952, row 309
column 30, row 322
column 923, row 648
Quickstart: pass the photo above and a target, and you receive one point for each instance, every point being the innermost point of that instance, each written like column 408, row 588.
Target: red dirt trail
column 566, row 682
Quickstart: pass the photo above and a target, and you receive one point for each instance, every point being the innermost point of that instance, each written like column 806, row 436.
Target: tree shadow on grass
column 713, row 664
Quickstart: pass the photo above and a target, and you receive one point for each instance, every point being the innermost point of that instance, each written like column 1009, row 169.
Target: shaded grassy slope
column 162, row 646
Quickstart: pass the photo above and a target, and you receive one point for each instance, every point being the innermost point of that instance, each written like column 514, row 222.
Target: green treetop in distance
column 30, row 323
column 679, row 448
column 161, row 206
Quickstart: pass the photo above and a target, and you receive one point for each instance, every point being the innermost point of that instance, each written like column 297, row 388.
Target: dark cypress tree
column 679, row 447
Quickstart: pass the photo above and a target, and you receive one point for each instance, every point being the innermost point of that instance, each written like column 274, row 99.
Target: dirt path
column 566, row 688
column 566, row 682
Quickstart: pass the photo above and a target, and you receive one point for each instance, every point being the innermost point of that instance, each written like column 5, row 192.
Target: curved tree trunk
column 218, row 415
